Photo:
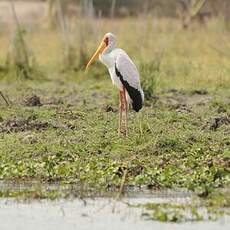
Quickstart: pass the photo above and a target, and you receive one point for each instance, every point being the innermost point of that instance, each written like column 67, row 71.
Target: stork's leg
column 119, row 120
column 126, row 111
column 120, row 113
column 123, row 107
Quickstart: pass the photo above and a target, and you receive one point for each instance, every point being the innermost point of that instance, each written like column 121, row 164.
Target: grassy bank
column 69, row 134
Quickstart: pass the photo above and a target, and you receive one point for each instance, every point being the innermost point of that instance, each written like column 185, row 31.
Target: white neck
column 107, row 57
column 110, row 48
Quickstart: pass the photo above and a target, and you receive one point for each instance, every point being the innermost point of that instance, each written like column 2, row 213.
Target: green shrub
column 148, row 73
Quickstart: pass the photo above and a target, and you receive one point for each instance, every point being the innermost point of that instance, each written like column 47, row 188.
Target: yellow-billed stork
column 124, row 75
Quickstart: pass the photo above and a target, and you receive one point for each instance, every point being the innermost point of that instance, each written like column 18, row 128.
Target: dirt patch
column 175, row 91
column 21, row 125
column 182, row 100
column 199, row 92
column 183, row 109
column 53, row 101
column 32, row 101
column 216, row 122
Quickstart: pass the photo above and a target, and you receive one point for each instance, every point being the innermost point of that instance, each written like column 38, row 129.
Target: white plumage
column 124, row 74
column 129, row 71
column 112, row 57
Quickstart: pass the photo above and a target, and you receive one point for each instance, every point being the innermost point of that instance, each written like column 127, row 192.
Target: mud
column 181, row 100
column 18, row 124
column 33, row 100
column 216, row 122
column 199, row 92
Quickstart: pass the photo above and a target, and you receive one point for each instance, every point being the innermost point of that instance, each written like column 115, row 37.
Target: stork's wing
column 128, row 70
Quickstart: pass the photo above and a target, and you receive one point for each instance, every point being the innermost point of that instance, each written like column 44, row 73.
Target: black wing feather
column 134, row 94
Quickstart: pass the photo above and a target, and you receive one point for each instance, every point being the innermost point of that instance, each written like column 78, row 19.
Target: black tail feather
column 134, row 93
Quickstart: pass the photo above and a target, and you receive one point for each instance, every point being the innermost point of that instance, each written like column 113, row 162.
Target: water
column 88, row 214
column 95, row 213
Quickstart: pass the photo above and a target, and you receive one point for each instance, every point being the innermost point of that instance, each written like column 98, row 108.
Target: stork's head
column 108, row 43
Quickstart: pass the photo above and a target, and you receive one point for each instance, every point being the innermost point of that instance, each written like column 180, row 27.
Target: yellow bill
column 99, row 50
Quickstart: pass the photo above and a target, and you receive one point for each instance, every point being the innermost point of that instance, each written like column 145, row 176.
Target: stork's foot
column 123, row 132
column 122, row 129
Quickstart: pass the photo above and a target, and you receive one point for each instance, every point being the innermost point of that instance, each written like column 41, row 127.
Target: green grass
column 71, row 138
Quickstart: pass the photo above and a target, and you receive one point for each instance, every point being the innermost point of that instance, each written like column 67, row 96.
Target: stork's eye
column 106, row 40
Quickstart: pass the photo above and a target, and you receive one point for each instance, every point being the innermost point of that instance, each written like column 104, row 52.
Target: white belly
column 109, row 59
column 116, row 81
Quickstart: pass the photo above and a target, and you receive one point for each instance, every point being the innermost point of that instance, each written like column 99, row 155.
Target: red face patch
column 106, row 40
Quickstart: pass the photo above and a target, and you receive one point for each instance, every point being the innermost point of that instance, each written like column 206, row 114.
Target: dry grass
column 187, row 58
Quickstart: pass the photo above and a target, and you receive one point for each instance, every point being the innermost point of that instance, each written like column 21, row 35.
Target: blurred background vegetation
column 163, row 8
column 186, row 10
column 200, row 10
column 137, row 7
column 181, row 38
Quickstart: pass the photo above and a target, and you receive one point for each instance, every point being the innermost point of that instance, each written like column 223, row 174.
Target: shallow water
column 128, row 191
column 88, row 214
column 93, row 213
